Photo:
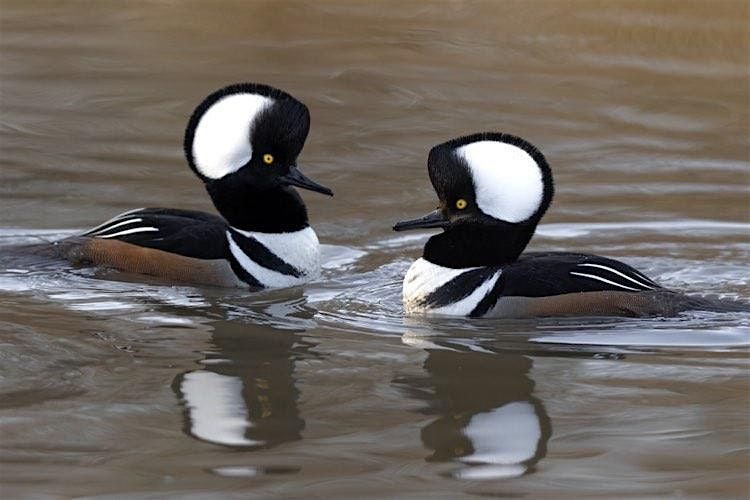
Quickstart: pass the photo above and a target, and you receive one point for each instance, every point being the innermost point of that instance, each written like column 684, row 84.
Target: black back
column 189, row 233
column 550, row 273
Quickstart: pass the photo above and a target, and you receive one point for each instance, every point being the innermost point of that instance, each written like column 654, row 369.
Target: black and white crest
column 493, row 190
column 243, row 142
column 499, row 175
column 237, row 125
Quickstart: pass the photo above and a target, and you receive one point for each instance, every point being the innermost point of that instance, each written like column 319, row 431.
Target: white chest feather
column 299, row 249
column 424, row 278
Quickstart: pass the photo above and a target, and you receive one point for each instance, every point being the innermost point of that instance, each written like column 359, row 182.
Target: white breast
column 424, row 277
column 300, row 249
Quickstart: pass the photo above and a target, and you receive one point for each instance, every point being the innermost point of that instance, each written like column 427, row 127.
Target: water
column 113, row 386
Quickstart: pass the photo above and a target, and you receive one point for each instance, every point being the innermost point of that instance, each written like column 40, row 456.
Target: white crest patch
column 507, row 180
column 221, row 144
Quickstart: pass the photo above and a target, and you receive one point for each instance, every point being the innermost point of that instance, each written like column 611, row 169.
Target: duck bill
column 433, row 219
column 298, row 179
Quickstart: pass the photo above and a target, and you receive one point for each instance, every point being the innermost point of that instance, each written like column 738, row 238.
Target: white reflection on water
column 237, row 471
column 506, row 437
column 216, row 407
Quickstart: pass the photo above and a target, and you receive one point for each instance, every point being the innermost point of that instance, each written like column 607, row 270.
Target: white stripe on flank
column 113, row 219
column 109, row 228
column 300, row 249
column 267, row 277
column 644, row 277
column 617, row 273
column 129, row 231
column 603, row 280
column 464, row 306
column 423, row 278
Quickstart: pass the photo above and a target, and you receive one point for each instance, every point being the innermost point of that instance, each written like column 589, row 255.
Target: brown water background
column 112, row 387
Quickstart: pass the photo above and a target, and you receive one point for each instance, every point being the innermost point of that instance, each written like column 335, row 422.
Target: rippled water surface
column 112, row 386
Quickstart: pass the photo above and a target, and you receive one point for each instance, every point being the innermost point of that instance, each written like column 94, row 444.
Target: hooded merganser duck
column 493, row 190
column 242, row 141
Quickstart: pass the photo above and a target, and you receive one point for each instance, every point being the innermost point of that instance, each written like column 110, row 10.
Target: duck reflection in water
column 245, row 395
column 488, row 419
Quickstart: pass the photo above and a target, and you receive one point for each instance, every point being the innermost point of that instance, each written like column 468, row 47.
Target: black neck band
column 477, row 245
column 278, row 210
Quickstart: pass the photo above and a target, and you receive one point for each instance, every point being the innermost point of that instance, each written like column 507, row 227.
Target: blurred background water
column 111, row 386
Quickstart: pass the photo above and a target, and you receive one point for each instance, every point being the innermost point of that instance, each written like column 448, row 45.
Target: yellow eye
column 267, row 159
column 461, row 204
